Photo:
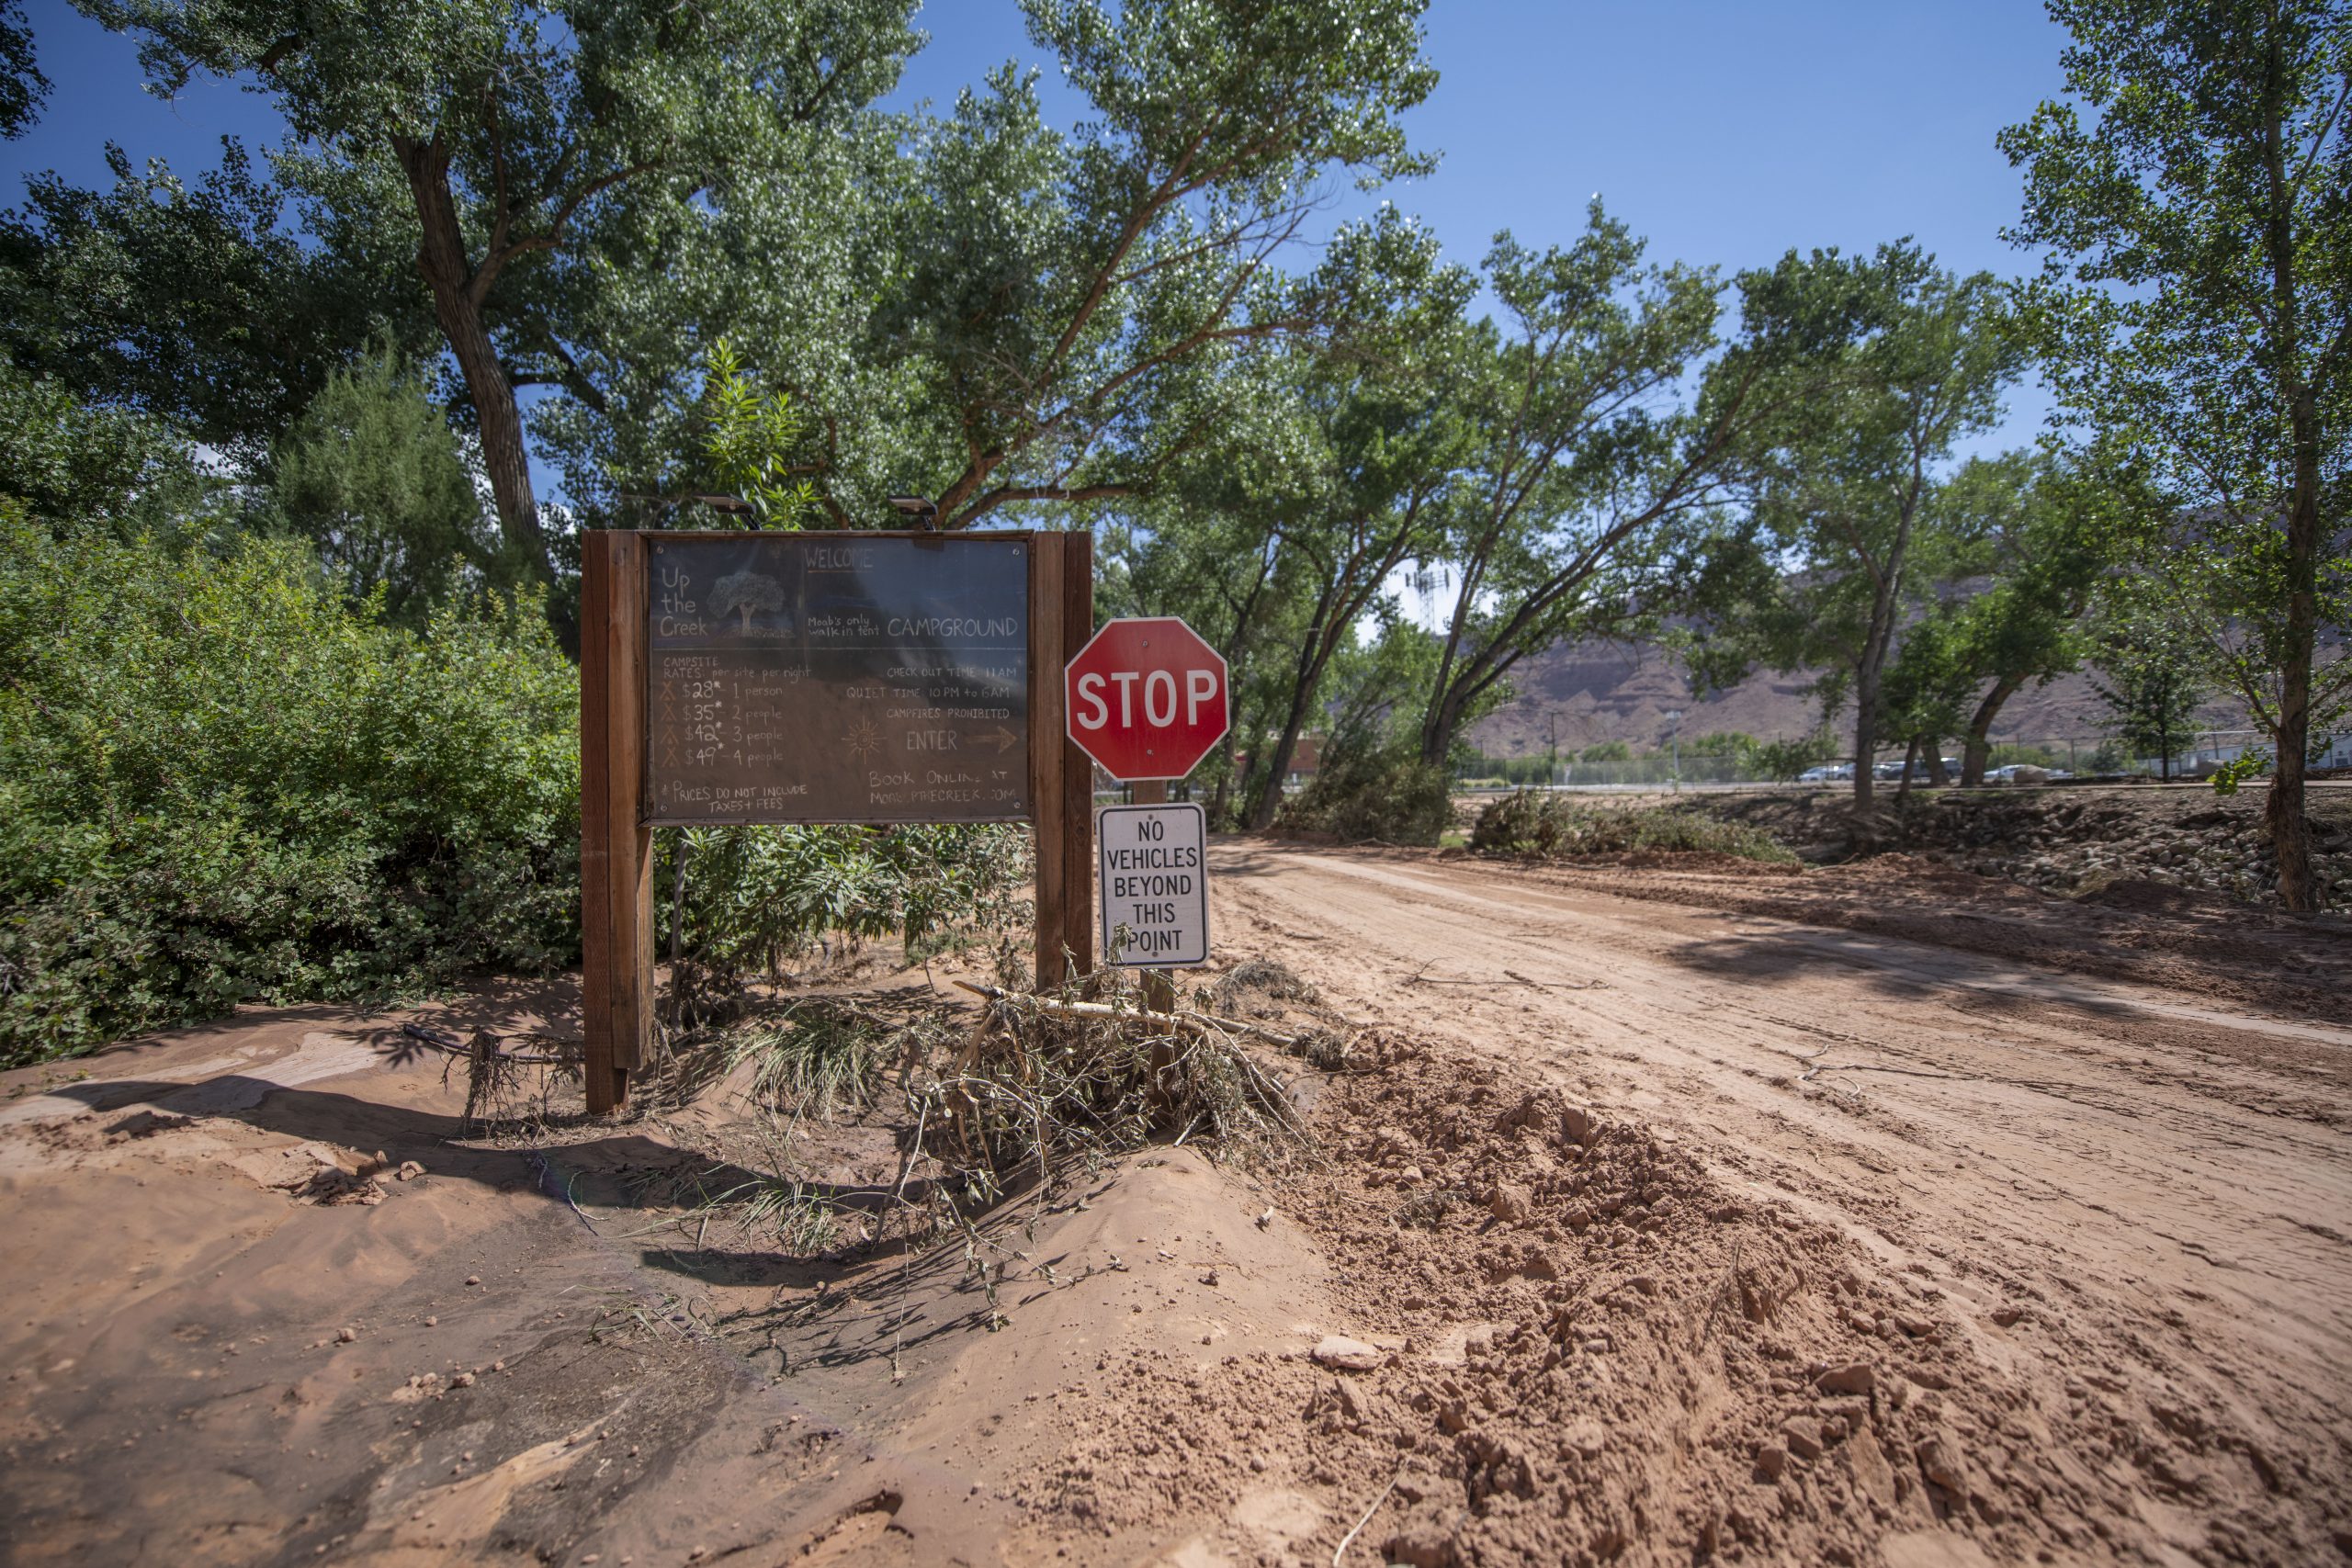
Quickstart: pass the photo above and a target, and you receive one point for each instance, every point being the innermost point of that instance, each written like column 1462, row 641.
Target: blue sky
column 1725, row 131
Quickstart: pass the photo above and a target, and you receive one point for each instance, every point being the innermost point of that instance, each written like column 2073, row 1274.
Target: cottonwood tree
column 1059, row 302
column 508, row 134
column 193, row 300
column 1885, row 363
column 2148, row 680
column 2195, row 204
column 1586, row 460
column 22, row 86
column 2051, row 528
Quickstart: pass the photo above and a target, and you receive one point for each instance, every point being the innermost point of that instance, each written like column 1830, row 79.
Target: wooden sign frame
column 617, row 842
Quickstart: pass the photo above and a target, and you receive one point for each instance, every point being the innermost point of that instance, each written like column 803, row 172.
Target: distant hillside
column 1599, row 692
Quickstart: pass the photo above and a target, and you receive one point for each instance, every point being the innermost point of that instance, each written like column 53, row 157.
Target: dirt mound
column 1573, row 1344
column 2072, row 840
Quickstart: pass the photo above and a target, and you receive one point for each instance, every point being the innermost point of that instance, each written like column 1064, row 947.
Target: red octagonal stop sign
column 1146, row 698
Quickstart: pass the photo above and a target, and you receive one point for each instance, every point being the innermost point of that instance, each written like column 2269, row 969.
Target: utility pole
column 1551, row 758
column 1674, row 718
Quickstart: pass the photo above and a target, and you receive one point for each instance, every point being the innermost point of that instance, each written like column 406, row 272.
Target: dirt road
column 1662, row 1213
column 2167, row 1174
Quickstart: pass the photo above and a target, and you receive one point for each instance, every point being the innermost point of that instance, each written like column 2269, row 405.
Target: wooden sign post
column 846, row 676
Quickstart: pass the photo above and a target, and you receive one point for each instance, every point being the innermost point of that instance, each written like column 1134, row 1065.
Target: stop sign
column 1146, row 698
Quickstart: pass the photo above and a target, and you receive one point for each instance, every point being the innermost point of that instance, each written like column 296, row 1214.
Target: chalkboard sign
column 837, row 677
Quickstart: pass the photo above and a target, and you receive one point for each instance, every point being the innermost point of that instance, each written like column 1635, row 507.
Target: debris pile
column 2075, row 844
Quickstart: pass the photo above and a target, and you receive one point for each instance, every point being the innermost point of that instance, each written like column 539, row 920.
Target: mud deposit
column 1643, row 1225
column 2081, row 841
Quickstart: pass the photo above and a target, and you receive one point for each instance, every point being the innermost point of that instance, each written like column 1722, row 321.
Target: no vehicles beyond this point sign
column 1155, row 882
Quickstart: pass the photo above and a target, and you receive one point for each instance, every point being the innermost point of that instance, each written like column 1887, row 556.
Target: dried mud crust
column 1589, row 1350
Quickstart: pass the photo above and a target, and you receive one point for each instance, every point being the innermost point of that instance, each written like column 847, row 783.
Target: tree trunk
column 441, row 259
column 1938, row 775
column 2291, row 838
column 1863, row 828
column 1979, row 750
column 1903, row 786
column 1270, row 799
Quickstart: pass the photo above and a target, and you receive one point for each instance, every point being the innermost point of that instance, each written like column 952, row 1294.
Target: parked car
column 1829, row 773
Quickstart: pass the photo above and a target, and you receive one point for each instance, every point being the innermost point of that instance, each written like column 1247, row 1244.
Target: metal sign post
column 1148, row 698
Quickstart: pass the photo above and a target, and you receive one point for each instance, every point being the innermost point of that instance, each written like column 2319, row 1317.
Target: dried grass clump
column 823, row 1057
column 1045, row 1081
column 1249, row 985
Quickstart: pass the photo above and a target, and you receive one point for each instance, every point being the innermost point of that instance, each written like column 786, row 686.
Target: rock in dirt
column 1348, row 1355
column 410, row 1170
column 1510, row 1202
column 1803, row 1434
column 346, row 1336
column 1427, row 1545
column 1772, row 1460
column 1940, row 1462
column 1853, row 1378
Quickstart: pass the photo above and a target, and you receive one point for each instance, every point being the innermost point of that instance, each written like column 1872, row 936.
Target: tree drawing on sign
column 745, row 592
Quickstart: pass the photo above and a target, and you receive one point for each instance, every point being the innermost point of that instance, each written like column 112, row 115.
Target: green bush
column 219, row 781
column 1530, row 823
column 1387, row 795
column 757, row 896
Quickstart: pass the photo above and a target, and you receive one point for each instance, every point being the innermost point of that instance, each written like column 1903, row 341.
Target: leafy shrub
column 1784, row 762
column 1545, row 824
column 1387, row 795
column 219, row 781
column 757, row 896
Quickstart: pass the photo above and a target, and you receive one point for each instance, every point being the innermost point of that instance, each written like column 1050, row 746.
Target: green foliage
column 756, row 897
column 1784, row 762
column 534, row 159
column 1586, row 506
column 1063, row 302
column 1606, row 752
column 2195, row 305
column 1880, row 366
column 2153, row 685
column 1386, row 794
column 1535, row 822
column 192, row 302
column 817, row 1059
column 219, row 783
column 372, row 476
column 80, row 468
column 22, row 86
column 2232, row 773
column 1721, row 743
column 750, row 439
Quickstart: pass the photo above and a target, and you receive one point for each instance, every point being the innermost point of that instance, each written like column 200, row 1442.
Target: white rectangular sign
column 1153, row 881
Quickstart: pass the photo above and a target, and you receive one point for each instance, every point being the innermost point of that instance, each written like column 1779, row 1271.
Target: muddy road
column 1664, row 1212
column 2168, row 1171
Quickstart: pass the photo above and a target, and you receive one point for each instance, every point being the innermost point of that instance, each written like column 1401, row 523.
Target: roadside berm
column 1296, row 1285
